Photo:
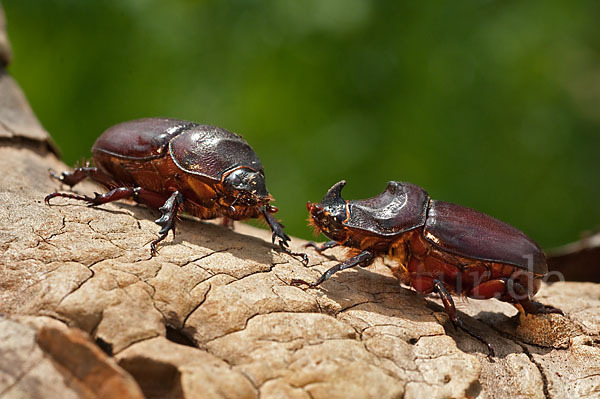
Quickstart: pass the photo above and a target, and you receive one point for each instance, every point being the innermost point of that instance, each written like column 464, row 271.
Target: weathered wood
column 214, row 316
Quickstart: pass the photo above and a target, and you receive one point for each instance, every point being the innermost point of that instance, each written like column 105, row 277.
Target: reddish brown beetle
column 173, row 165
column 438, row 247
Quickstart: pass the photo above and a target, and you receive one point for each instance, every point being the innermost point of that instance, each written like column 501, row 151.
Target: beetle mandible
column 438, row 247
column 174, row 165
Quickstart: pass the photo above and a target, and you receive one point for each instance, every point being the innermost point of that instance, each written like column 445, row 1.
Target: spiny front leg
column 167, row 219
column 275, row 226
column 448, row 302
column 277, row 229
column 362, row 259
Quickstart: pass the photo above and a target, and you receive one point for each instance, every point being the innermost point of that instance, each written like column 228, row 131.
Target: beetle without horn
column 174, row 165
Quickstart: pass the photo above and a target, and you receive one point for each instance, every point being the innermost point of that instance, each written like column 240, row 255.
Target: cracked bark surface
column 85, row 311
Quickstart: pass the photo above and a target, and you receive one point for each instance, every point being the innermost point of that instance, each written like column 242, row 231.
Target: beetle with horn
column 438, row 247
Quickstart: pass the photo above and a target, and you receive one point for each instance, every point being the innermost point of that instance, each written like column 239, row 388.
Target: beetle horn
column 334, row 195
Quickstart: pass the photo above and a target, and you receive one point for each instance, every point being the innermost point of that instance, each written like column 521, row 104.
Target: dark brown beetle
column 173, row 165
column 438, row 247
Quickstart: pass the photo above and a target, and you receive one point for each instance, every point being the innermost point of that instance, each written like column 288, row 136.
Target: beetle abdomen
column 140, row 139
column 424, row 262
column 475, row 235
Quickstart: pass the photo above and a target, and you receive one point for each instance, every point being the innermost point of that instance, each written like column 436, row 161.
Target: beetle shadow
column 477, row 325
column 329, row 257
column 356, row 287
column 81, row 204
column 389, row 294
column 372, row 291
column 200, row 233
column 329, row 254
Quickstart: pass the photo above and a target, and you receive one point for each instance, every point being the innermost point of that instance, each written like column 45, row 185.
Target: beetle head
column 246, row 186
column 329, row 215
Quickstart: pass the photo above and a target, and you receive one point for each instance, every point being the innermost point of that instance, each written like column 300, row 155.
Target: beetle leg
column 535, row 307
column 277, row 229
column 529, row 306
column 323, row 247
column 448, row 302
column 292, row 253
column 227, row 222
column 167, row 219
column 98, row 199
column 78, row 174
column 363, row 259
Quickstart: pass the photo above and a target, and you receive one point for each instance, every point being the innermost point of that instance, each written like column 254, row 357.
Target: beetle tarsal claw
column 302, row 255
column 283, row 239
column 48, row 197
column 163, row 219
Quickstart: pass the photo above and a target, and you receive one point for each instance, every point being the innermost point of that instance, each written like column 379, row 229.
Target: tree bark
column 86, row 312
column 579, row 260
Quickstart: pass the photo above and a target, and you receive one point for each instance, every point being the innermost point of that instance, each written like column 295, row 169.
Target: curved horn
column 334, row 195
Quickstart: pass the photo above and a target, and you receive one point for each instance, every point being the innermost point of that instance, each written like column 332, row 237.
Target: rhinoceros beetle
column 438, row 247
column 174, row 165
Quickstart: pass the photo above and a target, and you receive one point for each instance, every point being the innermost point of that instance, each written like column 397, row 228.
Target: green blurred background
column 491, row 104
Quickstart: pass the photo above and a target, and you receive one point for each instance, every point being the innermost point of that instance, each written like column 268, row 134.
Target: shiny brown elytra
column 174, row 165
column 438, row 247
